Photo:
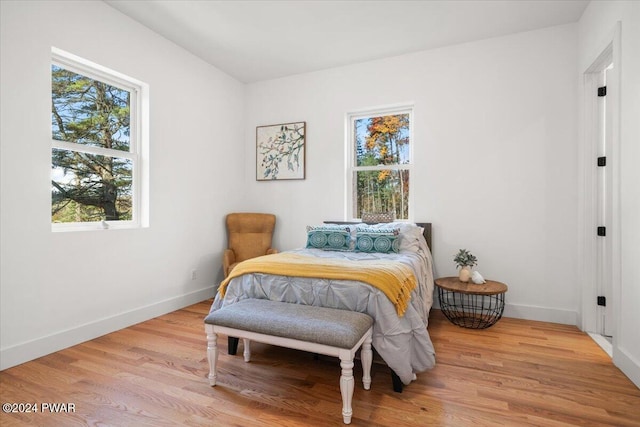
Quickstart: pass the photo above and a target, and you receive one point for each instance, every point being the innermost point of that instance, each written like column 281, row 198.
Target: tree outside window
column 381, row 163
column 95, row 152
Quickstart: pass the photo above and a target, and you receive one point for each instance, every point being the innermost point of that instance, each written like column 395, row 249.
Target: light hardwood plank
column 516, row 373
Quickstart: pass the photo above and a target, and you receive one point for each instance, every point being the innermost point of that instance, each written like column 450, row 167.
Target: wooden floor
column 516, row 373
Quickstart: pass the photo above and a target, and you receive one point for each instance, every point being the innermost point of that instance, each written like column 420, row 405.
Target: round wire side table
column 470, row 305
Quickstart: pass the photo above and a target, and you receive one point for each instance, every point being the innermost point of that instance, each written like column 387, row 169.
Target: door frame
column 588, row 193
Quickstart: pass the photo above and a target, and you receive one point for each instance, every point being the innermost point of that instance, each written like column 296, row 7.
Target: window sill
column 94, row 226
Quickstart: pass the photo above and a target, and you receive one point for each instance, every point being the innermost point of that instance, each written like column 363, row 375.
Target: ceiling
column 261, row 40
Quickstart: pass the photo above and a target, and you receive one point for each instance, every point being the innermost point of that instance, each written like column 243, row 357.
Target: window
column 379, row 162
column 97, row 154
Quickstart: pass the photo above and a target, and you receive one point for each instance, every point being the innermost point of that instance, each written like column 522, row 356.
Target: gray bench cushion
column 328, row 326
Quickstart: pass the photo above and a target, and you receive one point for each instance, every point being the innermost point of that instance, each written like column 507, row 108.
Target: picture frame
column 280, row 151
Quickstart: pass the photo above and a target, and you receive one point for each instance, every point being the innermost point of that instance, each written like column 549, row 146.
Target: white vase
column 465, row 274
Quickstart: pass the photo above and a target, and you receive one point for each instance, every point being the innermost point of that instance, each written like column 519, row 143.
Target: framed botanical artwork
column 280, row 151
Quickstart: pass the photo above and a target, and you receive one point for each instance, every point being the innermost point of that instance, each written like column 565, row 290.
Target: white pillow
column 410, row 234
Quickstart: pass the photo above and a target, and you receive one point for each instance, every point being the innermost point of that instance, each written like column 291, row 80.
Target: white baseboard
column 627, row 364
column 603, row 343
column 530, row 312
column 24, row 352
column 543, row 314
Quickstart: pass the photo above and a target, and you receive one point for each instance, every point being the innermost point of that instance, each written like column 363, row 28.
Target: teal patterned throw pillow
column 329, row 237
column 377, row 240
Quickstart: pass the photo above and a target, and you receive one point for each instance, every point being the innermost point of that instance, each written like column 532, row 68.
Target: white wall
column 596, row 29
column 58, row 289
column 495, row 153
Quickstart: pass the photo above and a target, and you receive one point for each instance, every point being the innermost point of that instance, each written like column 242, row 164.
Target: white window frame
column 138, row 140
column 350, row 202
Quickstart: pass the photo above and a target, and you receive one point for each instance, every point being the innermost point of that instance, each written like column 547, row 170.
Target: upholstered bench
column 328, row 331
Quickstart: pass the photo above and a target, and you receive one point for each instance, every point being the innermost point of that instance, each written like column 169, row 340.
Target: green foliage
column 464, row 258
column 382, row 141
column 89, row 187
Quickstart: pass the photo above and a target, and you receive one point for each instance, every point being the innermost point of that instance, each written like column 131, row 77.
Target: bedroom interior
column 503, row 163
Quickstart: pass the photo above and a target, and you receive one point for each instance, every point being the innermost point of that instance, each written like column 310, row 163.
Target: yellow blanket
column 395, row 279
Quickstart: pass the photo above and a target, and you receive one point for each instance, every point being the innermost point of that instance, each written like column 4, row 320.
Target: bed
column 400, row 334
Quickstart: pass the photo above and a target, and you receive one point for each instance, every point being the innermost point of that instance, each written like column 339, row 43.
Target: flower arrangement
column 464, row 258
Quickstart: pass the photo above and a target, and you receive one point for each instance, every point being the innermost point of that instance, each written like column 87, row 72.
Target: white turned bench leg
column 212, row 355
column 346, row 388
column 366, row 356
column 246, row 343
column 346, row 358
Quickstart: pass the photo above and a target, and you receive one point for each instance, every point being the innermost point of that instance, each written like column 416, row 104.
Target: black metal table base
column 473, row 311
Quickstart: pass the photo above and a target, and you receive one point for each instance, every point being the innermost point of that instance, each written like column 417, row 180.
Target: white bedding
column 403, row 342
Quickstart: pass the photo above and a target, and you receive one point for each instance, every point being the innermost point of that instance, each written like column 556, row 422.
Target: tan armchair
column 250, row 236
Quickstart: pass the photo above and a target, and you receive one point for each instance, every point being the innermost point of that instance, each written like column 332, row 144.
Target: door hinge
column 602, row 231
column 602, row 91
column 602, row 161
column 602, row 301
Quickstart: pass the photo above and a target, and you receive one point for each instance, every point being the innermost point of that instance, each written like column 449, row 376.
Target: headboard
column 425, row 225
column 426, row 233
